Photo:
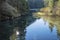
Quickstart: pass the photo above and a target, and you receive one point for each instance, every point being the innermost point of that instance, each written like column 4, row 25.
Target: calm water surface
column 31, row 28
column 40, row 30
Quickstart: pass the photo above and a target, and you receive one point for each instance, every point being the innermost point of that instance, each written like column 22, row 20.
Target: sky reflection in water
column 39, row 30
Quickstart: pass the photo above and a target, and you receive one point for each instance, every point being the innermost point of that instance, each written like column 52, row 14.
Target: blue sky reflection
column 39, row 30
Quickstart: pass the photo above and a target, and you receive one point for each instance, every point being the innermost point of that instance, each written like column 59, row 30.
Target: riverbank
column 46, row 11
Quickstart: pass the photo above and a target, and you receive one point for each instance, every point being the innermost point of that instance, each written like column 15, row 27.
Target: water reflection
column 15, row 29
column 30, row 28
column 6, row 30
column 25, row 21
column 40, row 31
column 53, row 21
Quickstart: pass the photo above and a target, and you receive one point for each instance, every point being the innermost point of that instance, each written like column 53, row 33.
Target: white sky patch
column 17, row 32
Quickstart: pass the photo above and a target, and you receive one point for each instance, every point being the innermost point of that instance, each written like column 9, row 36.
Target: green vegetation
column 51, row 7
column 13, row 8
column 20, row 5
column 48, row 3
column 10, row 9
column 52, row 20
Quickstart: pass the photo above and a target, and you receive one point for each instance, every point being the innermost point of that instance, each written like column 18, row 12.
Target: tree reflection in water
column 53, row 21
column 8, row 28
